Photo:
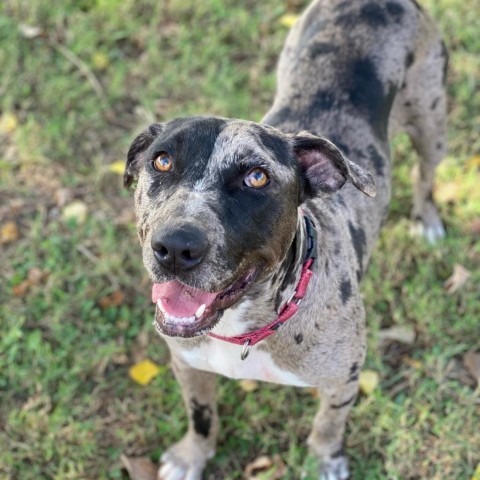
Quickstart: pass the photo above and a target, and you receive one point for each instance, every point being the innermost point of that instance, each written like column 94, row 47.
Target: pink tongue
column 179, row 300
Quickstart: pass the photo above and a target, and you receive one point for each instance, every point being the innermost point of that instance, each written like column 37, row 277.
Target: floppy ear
column 137, row 150
column 325, row 169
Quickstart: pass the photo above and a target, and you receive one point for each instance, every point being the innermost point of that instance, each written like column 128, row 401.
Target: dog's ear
column 325, row 169
column 137, row 150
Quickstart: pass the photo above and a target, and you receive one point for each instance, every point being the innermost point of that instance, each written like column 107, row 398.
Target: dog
column 257, row 235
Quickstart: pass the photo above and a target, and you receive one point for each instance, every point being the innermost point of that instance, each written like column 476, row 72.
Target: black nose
column 177, row 249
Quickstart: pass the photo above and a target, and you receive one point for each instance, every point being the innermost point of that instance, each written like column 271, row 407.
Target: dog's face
column 216, row 204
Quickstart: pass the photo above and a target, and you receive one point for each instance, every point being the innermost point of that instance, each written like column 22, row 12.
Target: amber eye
column 256, row 178
column 163, row 163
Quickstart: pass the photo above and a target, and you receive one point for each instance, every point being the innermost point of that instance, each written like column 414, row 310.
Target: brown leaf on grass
column 62, row 196
column 139, row 468
column 401, row 333
column 265, row 468
column 9, row 233
column 34, row 277
column 458, row 278
column 474, row 227
column 115, row 299
column 471, row 360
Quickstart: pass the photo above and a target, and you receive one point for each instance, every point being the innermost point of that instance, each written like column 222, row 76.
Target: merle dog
column 256, row 235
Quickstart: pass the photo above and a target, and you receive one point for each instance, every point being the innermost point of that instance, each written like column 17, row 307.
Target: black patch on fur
column 353, row 378
column 298, row 338
column 409, row 59
column 395, row 10
column 323, row 101
column 354, row 368
column 345, row 290
column 317, row 327
column 344, row 404
column 202, row 418
column 417, row 6
column 439, row 145
column 346, row 20
column 359, row 275
column 338, row 453
column 434, row 103
column 320, row 48
column 367, row 94
column 342, row 5
column 377, row 160
column 359, row 241
column 277, row 145
column 444, row 55
column 373, row 15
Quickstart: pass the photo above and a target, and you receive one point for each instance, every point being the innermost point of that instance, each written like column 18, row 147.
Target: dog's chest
column 224, row 358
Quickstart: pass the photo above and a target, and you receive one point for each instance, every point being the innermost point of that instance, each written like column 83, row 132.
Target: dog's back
column 357, row 73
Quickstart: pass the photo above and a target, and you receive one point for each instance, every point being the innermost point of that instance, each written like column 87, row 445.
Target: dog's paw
column 431, row 233
column 183, row 461
column 429, row 226
column 335, row 469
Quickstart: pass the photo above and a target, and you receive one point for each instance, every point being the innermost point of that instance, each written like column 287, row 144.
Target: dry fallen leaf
column 100, row 61
column 9, row 233
column 412, row 362
column 30, row 31
column 34, row 277
column 117, row 167
column 458, row 278
column 265, row 468
column 476, row 474
column 474, row 227
column 139, row 468
column 314, row 392
column 248, row 385
column 115, row 299
column 144, row 372
column 368, row 381
column 8, row 123
column 288, row 20
column 76, row 210
column 474, row 162
column 401, row 333
column 471, row 360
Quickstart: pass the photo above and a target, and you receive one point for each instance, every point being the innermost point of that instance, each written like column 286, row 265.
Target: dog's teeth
column 200, row 311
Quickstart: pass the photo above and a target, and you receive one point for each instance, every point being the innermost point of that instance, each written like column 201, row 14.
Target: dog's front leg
column 326, row 438
column 186, row 459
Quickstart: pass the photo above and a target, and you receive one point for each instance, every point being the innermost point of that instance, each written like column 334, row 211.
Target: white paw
column 335, row 469
column 172, row 468
column 432, row 232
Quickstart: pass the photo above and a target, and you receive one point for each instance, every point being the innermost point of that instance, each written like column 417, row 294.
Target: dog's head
column 216, row 203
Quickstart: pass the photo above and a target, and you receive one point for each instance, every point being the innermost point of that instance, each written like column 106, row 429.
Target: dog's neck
column 288, row 274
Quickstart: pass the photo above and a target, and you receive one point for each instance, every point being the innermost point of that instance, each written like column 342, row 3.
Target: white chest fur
column 224, row 358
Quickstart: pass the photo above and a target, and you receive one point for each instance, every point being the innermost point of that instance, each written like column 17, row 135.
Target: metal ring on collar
column 245, row 350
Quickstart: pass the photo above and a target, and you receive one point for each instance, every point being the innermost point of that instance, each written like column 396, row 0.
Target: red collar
column 289, row 309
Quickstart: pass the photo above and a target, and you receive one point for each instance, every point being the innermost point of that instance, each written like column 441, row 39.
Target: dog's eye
column 257, row 178
column 163, row 163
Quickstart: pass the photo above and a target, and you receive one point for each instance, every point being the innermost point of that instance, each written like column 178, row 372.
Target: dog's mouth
column 184, row 311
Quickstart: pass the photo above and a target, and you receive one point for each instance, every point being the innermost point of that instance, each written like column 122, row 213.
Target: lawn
column 79, row 79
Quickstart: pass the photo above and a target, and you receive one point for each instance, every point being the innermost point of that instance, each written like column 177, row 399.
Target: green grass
column 68, row 409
